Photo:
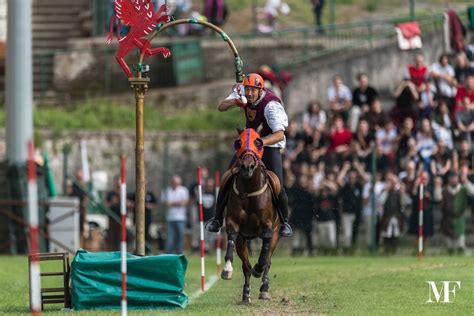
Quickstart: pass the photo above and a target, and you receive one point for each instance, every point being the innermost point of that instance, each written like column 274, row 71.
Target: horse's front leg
column 265, row 279
column 265, row 282
column 260, row 266
column 226, row 273
column 243, row 252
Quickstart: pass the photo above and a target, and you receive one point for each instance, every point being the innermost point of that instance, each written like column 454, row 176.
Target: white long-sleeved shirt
column 275, row 115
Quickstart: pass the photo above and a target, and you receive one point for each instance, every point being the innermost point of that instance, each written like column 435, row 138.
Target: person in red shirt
column 340, row 139
column 418, row 72
column 464, row 92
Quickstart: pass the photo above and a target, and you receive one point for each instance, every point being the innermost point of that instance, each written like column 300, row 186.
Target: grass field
column 302, row 285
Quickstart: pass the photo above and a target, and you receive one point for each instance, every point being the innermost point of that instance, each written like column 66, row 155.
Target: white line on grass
column 207, row 286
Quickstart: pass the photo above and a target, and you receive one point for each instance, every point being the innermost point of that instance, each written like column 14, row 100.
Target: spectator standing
column 367, row 208
column 392, row 221
column 453, row 205
column 362, row 97
column 208, row 205
column 79, row 189
column 175, row 198
column 150, row 204
column 339, row 98
column 326, row 209
column 301, row 201
column 350, row 195
column 215, row 11
column 270, row 14
column 112, row 201
column 318, row 6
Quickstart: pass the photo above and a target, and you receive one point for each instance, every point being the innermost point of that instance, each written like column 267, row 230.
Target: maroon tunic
column 255, row 115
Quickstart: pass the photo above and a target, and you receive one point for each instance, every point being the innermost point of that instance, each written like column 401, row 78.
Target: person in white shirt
column 443, row 74
column 339, row 98
column 175, row 198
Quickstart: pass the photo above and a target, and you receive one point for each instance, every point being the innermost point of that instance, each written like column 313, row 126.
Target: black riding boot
column 285, row 229
column 215, row 223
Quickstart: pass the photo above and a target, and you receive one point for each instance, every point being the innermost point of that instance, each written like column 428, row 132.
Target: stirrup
column 285, row 230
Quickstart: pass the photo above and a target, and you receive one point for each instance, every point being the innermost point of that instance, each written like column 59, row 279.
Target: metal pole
column 412, row 10
column 19, row 83
column 218, row 235
column 140, row 86
column 66, row 151
column 201, row 228
column 35, row 280
column 372, row 201
column 332, row 13
column 123, row 243
column 254, row 16
column 420, row 216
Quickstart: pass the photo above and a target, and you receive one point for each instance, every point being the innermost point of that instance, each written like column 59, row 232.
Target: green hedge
column 97, row 115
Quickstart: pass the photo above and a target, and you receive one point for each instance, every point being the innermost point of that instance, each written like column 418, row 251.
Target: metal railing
column 329, row 40
column 367, row 34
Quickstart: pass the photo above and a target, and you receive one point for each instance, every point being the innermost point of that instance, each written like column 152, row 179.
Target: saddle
column 272, row 179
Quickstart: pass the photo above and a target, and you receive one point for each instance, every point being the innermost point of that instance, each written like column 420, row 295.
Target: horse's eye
column 237, row 144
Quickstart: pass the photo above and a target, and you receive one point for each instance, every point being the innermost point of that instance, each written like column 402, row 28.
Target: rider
column 262, row 109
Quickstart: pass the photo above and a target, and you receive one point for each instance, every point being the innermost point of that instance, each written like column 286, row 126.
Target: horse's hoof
column 256, row 273
column 246, row 301
column 226, row 275
column 263, row 296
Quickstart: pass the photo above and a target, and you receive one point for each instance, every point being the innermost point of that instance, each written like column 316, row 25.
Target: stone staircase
column 54, row 22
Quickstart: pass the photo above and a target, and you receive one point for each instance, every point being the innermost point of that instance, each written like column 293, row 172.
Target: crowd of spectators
column 341, row 146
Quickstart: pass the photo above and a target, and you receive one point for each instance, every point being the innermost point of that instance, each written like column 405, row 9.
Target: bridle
column 244, row 195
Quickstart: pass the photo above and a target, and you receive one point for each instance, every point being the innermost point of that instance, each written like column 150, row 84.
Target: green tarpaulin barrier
column 154, row 282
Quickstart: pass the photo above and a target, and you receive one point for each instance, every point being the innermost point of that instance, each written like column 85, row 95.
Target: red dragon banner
column 142, row 19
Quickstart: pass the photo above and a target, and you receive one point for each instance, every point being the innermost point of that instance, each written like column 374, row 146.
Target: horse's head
column 249, row 151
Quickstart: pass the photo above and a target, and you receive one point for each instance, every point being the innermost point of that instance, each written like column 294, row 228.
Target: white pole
column 33, row 216
column 201, row 217
column 123, row 243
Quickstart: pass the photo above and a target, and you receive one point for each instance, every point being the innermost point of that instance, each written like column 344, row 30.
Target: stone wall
column 165, row 153
column 89, row 68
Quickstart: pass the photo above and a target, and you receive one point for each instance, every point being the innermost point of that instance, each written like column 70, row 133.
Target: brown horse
column 250, row 214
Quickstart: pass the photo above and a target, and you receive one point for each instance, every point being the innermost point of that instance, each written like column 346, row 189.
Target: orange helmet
column 254, row 80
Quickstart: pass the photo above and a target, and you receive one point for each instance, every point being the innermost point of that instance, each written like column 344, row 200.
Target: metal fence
column 332, row 39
